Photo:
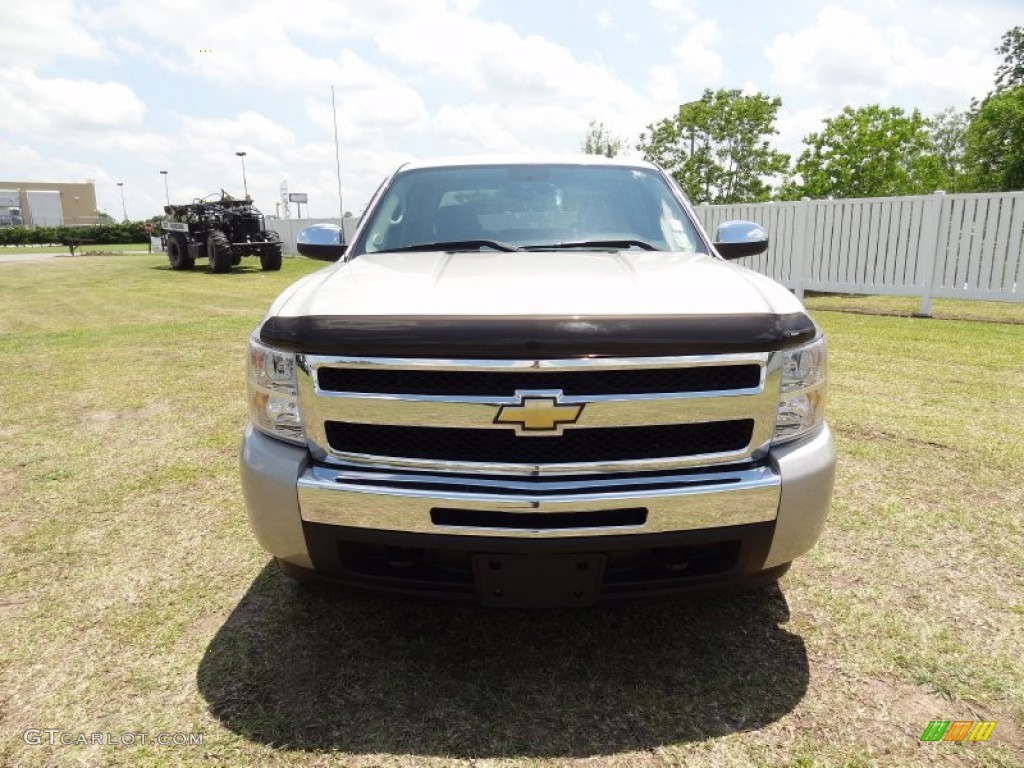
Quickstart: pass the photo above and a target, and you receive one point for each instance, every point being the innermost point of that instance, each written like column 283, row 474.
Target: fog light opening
column 676, row 559
column 405, row 557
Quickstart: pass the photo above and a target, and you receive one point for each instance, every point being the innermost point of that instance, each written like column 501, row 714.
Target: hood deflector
column 536, row 337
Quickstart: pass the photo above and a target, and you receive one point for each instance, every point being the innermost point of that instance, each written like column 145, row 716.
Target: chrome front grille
column 634, row 414
column 500, row 446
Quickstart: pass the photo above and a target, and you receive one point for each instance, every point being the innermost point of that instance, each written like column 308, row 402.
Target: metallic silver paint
column 270, row 470
column 807, row 468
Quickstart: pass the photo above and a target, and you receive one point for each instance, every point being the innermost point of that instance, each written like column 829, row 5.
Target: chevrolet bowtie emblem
column 538, row 414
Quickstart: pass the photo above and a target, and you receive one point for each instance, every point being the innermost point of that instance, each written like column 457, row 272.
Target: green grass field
column 63, row 249
column 134, row 600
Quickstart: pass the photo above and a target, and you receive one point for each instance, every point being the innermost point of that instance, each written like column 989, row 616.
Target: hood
column 530, row 305
column 523, row 284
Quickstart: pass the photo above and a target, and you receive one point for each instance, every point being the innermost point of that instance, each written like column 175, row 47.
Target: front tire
column 270, row 256
column 177, row 253
column 218, row 249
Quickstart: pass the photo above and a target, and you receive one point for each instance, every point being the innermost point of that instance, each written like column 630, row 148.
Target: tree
column 868, row 152
column 995, row 143
column 717, row 148
column 600, row 141
column 1010, row 73
column 949, row 142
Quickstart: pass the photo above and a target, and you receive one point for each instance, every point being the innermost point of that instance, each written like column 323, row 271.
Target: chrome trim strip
column 390, row 462
column 338, row 497
column 562, row 399
column 588, row 363
column 479, row 413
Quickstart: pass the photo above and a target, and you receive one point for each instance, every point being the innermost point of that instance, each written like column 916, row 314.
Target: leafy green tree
column 868, row 152
column 949, row 142
column 600, row 141
column 1010, row 73
column 718, row 148
column 994, row 153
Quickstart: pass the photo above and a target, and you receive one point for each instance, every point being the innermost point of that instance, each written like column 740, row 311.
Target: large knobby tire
column 270, row 256
column 218, row 249
column 177, row 253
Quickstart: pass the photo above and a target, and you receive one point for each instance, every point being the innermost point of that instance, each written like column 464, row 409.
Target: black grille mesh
column 602, row 444
column 505, row 383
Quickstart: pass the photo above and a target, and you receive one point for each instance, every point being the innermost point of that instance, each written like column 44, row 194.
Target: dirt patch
column 11, row 489
column 104, row 418
column 917, row 706
column 874, row 433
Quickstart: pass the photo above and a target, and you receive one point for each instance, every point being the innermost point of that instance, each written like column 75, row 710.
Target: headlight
column 273, row 397
column 802, row 398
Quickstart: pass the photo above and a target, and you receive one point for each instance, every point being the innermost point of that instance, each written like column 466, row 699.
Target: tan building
column 49, row 203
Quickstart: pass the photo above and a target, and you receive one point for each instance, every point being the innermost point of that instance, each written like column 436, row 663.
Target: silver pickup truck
column 536, row 382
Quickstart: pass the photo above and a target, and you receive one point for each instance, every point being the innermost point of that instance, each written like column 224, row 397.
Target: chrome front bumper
column 283, row 490
column 405, row 501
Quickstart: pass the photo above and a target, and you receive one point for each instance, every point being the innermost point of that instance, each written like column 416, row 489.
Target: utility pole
column 124, row 208
column 245, row 183
column 337, row 155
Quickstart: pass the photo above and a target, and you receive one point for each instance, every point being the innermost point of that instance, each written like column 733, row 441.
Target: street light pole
column 244, row 182
column 167, row 192
column 124, row 208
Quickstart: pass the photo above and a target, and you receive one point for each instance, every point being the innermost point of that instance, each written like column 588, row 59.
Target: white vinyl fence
column 948, row 246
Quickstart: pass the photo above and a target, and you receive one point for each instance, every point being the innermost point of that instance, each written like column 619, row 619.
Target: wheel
column 270, row 256
column 218, row 249
column 177, row 253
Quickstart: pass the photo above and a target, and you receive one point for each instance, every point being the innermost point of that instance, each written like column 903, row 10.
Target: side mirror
column 736, row 239
column 323, row 242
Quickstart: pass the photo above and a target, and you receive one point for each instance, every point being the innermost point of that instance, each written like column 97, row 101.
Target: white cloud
column 478, row 128
column 684, row 9
column 603, row 18
column 33, row 34
column 794, row 125
column 852, row 60
column 238, row 49
column 694, row 66
column 465, row 6
column 147, row 145
column 494, row 60
column 43, row 106
column 497, row 127
column 368, row 100
column 698, row 62
column 21, row 161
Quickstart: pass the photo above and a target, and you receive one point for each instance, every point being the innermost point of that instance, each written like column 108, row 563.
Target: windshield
column 528, row 207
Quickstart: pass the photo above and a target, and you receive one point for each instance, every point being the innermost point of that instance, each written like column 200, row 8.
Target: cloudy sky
column 120, row 90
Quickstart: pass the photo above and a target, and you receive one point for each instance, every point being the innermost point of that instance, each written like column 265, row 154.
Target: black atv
column 223, row 230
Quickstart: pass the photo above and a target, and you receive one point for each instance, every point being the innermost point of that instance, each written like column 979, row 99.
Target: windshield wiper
column 451, row 246
column 609, row 244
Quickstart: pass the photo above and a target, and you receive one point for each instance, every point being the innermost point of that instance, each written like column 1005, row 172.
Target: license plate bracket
column 538, row 581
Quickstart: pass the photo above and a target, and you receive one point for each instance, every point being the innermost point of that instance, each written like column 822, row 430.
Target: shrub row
column 129, row 232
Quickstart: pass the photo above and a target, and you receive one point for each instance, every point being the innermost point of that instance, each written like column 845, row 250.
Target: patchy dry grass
column 133, row 598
